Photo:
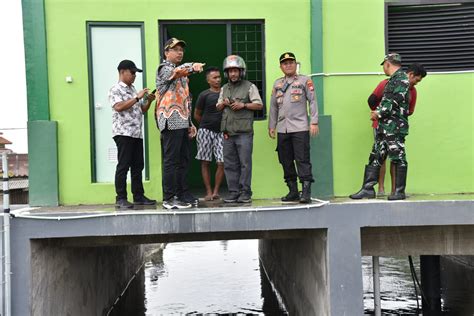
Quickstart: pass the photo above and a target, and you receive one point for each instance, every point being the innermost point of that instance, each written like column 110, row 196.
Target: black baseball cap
column 128, row 64
column 287, row 56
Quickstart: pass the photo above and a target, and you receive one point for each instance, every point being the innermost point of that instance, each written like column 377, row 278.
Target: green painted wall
column 321, row 146
column 69, row 103
column 43, row 160
column 36, row 59
column 42, row 133
column 440, row 147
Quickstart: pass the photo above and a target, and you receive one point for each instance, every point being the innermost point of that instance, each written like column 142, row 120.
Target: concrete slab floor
column 219, row 205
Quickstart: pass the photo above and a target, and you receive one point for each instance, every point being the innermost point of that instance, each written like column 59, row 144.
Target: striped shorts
column 209, row 143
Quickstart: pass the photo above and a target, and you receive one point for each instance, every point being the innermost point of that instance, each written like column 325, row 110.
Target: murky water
column 216, row 277
column 397, row 292
column 224, row 277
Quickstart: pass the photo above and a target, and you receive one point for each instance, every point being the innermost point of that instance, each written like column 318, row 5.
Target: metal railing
column 6, row 262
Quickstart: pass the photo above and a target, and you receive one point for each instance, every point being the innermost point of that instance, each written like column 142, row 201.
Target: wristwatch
column 137, row 99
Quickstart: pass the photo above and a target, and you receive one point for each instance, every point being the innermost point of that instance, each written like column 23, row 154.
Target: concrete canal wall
column 298, row 271
column 457, row 278
column 81, row 280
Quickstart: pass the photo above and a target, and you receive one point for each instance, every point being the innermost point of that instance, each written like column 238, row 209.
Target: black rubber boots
column 400, row 183
column 371, row 177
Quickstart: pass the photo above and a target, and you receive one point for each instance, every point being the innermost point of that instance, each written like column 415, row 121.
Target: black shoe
column 400, row 183
column 123, row 204
column 244, row 197
column 232, row 197
column 371, row 178
column 174, row 204
column 187, row 197
column 143, row 200
column 306, row 192
column 293, row 195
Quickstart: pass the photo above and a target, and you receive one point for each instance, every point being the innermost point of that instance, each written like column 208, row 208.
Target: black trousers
column 130, row 156
column 294, row 147
column 176, row 153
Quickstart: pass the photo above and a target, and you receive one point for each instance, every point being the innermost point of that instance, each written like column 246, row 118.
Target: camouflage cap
column 172, row 42
column 392, row 57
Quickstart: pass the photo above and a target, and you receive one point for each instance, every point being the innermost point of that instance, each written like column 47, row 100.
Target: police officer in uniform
column 288, row 118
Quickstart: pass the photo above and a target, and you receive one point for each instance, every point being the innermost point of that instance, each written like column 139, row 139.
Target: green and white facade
column 70, row 152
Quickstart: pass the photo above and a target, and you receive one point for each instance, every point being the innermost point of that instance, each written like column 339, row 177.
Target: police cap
column 287, row 56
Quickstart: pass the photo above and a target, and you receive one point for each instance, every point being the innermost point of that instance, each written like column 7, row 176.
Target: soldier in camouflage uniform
column 392, row 115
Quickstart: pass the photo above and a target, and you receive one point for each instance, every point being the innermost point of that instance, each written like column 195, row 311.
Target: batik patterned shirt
column 127, row 122
column 173, row 110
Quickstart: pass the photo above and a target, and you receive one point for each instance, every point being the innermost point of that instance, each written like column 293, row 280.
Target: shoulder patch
column 310, row 85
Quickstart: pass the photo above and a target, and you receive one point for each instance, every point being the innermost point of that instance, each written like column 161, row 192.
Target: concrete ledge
column 426, row 240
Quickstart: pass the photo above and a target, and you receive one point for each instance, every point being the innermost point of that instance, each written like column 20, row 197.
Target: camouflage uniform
column 393, row 122
column 392, row 115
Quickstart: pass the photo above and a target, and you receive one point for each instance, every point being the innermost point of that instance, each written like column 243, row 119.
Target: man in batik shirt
column 173, row 118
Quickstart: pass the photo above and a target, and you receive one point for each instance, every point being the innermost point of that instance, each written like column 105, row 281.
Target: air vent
column 439, row 36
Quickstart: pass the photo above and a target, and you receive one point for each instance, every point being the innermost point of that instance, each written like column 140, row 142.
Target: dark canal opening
column 227, row 278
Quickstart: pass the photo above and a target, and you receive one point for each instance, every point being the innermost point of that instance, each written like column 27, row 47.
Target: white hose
column 333, row 74
column 19, row 213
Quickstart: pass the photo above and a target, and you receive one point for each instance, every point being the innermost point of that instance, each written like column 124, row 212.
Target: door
column 105, row 53
column 210, row 42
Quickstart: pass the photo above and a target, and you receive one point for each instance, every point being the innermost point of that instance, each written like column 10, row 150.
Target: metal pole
column 376, row 277
column 6, row 235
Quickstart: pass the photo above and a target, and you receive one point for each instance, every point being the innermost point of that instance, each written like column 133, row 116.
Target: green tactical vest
column 237, row 122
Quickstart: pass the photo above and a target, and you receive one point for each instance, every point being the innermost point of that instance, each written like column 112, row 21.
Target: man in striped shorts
column 209, row 137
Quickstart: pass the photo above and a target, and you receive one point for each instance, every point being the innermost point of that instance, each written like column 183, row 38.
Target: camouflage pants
column 392, row 146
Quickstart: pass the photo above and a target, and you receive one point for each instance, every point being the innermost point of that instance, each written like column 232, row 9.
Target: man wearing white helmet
column 238, row 100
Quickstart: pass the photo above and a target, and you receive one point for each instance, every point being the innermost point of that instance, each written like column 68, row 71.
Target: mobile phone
column 153, row 92
column 285, row 87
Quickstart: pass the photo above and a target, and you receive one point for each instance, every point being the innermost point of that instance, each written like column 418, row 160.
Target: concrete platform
column 332, row 237
column 217, row 205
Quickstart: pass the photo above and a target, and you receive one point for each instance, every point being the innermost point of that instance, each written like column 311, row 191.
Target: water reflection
column 212, row 278
column 397, row 289
column 396, row 286
column 226, row 278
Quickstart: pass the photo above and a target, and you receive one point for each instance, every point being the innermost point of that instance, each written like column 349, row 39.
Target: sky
column 13, row 109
